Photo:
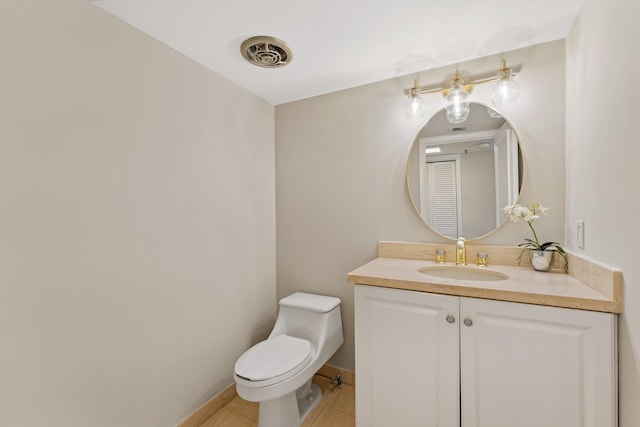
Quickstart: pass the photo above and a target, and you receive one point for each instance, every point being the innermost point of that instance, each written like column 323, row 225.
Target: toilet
column 277, row 372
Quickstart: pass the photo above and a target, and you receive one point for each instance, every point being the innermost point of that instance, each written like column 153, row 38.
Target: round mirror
column 461, row 175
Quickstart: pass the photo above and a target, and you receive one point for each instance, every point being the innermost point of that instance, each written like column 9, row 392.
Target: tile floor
column 336, row 409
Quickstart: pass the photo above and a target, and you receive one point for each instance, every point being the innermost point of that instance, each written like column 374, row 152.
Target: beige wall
column 138, row 203
column 477, row 173
column 137, row 242
column 602, row 162
column 340, row 172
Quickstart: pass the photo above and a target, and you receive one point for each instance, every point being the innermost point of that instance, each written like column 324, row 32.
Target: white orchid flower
column 519, row 210
column 508, row 209
column 516, row 212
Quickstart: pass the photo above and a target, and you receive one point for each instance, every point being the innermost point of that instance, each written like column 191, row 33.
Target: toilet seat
column 273, row 360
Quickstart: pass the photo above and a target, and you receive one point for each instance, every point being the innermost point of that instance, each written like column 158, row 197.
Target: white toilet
column 277, row 372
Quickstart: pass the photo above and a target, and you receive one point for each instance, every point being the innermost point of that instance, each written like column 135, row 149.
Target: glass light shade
column 457, row 94
column 505, row 91
column 415, row 107
column 457, row 109
column 457, row 113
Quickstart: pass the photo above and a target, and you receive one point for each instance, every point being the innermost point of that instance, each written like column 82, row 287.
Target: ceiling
column 338, row 44
column 478, row 121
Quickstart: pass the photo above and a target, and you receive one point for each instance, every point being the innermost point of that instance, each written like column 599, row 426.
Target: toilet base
column 289, row 410
column 308, row 403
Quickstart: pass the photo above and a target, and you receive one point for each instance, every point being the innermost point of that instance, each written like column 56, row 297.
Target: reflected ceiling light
column 432, row 150
column 493, row 113
column 505, row 91
column 415, row 107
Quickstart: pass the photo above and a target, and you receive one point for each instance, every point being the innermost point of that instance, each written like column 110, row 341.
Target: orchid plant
column 516, row 212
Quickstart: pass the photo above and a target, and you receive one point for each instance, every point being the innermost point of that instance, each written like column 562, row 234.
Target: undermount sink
column 463, row 273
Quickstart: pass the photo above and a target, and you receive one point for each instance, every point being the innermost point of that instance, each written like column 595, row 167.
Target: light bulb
column 415, row 107
column 457, row 109
column 457, row 94
column 506, row 89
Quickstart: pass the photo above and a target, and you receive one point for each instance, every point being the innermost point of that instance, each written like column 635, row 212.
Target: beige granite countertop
column 524, row 285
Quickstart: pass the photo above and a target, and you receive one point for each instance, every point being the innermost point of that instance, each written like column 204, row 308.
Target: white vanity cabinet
column 446, row 361
column 407, row 370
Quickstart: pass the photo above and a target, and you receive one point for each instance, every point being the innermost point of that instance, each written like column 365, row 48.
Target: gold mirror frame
column 411, row 160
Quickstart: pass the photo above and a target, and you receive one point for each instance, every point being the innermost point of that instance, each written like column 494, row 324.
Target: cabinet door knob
column 451, row 319
column 468, row 322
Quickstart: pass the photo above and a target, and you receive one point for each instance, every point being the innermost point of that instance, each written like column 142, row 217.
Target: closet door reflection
column 440, row 201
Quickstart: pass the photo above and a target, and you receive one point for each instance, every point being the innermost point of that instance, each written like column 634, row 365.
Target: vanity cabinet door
column 531, row 366
column 407, row 361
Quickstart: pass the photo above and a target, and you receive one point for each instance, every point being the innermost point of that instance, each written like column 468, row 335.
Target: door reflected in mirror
column 460, row 176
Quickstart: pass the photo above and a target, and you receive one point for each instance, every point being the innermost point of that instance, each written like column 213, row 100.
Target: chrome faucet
column 461, row 252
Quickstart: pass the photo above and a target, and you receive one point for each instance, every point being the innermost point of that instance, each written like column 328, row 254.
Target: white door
column 406, row 358
column 533, row 366
column 441, row 199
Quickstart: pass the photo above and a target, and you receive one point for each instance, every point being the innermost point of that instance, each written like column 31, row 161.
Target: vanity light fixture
column 415, row 107
column 457, row 109
column 504, row 92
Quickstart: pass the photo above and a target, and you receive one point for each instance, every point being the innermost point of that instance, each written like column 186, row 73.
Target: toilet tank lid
column 313, row 302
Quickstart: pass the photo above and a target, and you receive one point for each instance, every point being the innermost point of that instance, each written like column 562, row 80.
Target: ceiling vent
column 459, row 128
column 267, row 52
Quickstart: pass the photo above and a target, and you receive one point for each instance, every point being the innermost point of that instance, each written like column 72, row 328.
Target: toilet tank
column 312, row 317
column 311, row 302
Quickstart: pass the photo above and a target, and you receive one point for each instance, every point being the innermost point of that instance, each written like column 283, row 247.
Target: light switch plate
column 580, row 234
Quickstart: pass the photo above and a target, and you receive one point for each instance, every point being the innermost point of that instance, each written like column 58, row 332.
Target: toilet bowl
column 277, row 372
